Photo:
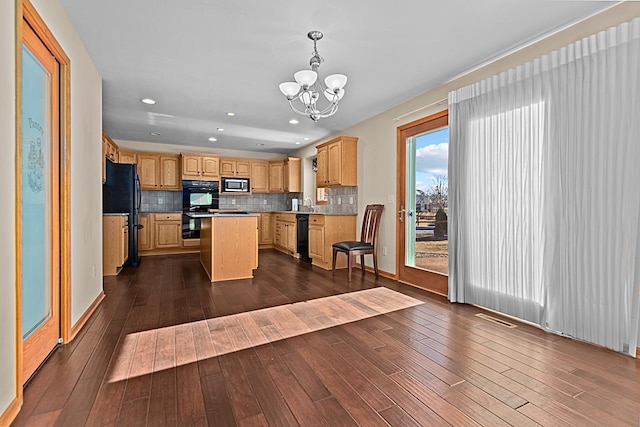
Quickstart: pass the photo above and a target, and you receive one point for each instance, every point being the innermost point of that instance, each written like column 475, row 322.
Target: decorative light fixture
column 308, row 90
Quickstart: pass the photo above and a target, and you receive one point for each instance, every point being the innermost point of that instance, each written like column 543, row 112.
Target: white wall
column 377, row 135
column 86, row 157
column 86, row 189
column 7, row 195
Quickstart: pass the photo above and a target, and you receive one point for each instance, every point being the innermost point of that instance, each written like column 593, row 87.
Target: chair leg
column 349, row 264
column 375, row 263
column 333, row 264
column 362, row 263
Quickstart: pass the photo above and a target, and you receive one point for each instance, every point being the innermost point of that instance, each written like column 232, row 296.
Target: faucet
column 311, row 207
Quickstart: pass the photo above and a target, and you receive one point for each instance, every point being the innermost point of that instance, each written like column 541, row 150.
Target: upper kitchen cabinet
column 200, row 167
column 159, row 171
column 235, row 168
column 284, row 175
column 259, row 176
column 126, row 156
column 109, row 151
column 338, row 162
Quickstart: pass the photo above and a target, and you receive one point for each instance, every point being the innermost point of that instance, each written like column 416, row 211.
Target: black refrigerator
column 121, row 194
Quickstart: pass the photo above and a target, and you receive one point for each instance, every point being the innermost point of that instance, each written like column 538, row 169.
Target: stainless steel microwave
column 235, row 185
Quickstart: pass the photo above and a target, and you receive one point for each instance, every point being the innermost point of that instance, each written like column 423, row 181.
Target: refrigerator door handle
column 138, row 194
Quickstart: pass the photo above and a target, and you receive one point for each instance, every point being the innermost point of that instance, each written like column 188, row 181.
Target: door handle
column 401, row 214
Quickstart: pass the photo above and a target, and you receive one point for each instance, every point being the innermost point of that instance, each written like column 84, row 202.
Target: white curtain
column 544, row 190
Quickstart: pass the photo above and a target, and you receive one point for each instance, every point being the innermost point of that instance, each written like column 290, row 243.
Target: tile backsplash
column 161, row 201
column 262, row 202
column 342, row 200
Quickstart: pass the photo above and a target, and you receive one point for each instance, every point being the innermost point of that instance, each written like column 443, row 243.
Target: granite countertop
column 160, row 212
column 217, row 214
column 115, row 214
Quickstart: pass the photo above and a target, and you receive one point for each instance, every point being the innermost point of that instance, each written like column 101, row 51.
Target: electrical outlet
column 384, row 251
column 264, row 202
column 339, row 200
column 351, row 200
column 233, row 201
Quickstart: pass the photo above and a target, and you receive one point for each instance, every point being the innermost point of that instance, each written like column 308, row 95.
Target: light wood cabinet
column 145, row 234
column 324, row 231
column 126, row 156
column 235, row 168
column 115, row 243
column 285, row 238
column 337, row 162
column 259, row 176
column 167, row 230
column 265, row 229
column 276, row 178
column 159, row 171
column 284, row 175
column 200, row 167
column 109, row 151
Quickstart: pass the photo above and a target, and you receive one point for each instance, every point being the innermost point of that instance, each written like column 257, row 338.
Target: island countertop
column 218, row 214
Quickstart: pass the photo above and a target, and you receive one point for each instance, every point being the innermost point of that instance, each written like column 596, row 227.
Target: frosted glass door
column 36, row 197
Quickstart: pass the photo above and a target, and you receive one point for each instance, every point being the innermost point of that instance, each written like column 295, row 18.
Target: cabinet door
column 144, row 234
column 227, row 167
column 259, row 174
column 316, row 242
column 291, row 237
column 292, row 174
column 170, row 173
column 279, row 232
column 191, row 166
column 334, row 163
column 126, row 156
column 266, row 229
column 276, row 177
column 167, row 234
column 243, row 168
column 148, row 165
column 125, row 244
column 321, row 175
column 210, row 167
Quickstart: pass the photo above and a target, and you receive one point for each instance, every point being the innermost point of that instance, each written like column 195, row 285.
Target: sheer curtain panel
column 544, row 193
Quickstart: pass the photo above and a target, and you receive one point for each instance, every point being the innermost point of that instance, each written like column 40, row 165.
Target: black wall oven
column 197, row 196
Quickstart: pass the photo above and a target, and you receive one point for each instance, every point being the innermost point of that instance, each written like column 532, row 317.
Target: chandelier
column 308, row 96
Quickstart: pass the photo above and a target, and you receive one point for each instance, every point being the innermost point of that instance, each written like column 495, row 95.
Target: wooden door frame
column 25, row 12
column 437, row 282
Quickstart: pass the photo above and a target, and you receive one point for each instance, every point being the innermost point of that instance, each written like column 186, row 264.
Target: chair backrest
column 371, row 224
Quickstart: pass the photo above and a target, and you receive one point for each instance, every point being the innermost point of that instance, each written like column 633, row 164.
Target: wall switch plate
column 391, row 198
column 384, row 251
column 93, row 270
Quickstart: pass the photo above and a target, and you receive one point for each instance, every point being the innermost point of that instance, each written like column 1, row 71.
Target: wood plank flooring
column 296, row 346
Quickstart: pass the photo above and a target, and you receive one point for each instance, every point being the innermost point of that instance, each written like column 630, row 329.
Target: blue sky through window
column 432, row 157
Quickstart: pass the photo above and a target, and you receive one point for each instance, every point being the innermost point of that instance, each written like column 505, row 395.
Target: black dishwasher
column 302, row 246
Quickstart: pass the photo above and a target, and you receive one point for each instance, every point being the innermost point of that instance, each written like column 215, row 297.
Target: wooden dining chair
column 368, row 243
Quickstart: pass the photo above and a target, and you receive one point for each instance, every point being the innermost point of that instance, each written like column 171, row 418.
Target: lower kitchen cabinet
column 285, row 233
column 115, row 243
column 324, row 231
column 265, row 229
column 145, row 234
column 168, row 230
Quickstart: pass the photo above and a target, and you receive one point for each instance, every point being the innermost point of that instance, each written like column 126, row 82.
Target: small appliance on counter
column 294, row 205
column 121, row 194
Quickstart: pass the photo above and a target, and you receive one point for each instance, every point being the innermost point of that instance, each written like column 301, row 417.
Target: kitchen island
column 228, row 245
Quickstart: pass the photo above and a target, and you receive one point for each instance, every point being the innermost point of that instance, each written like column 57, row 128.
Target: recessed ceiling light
column 294, row 121
column 154, row 133
column 148, row 101
column 220, row 129
column 230, row 114
column 212, row 139
column 306, row 138
column 297, row 143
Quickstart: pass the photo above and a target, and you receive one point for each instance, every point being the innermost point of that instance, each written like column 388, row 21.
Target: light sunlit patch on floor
column 142, row 353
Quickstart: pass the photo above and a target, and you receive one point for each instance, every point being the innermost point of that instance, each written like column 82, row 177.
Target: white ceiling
column 203, row 58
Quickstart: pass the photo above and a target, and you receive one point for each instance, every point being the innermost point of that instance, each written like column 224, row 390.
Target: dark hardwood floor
column 167, row 347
